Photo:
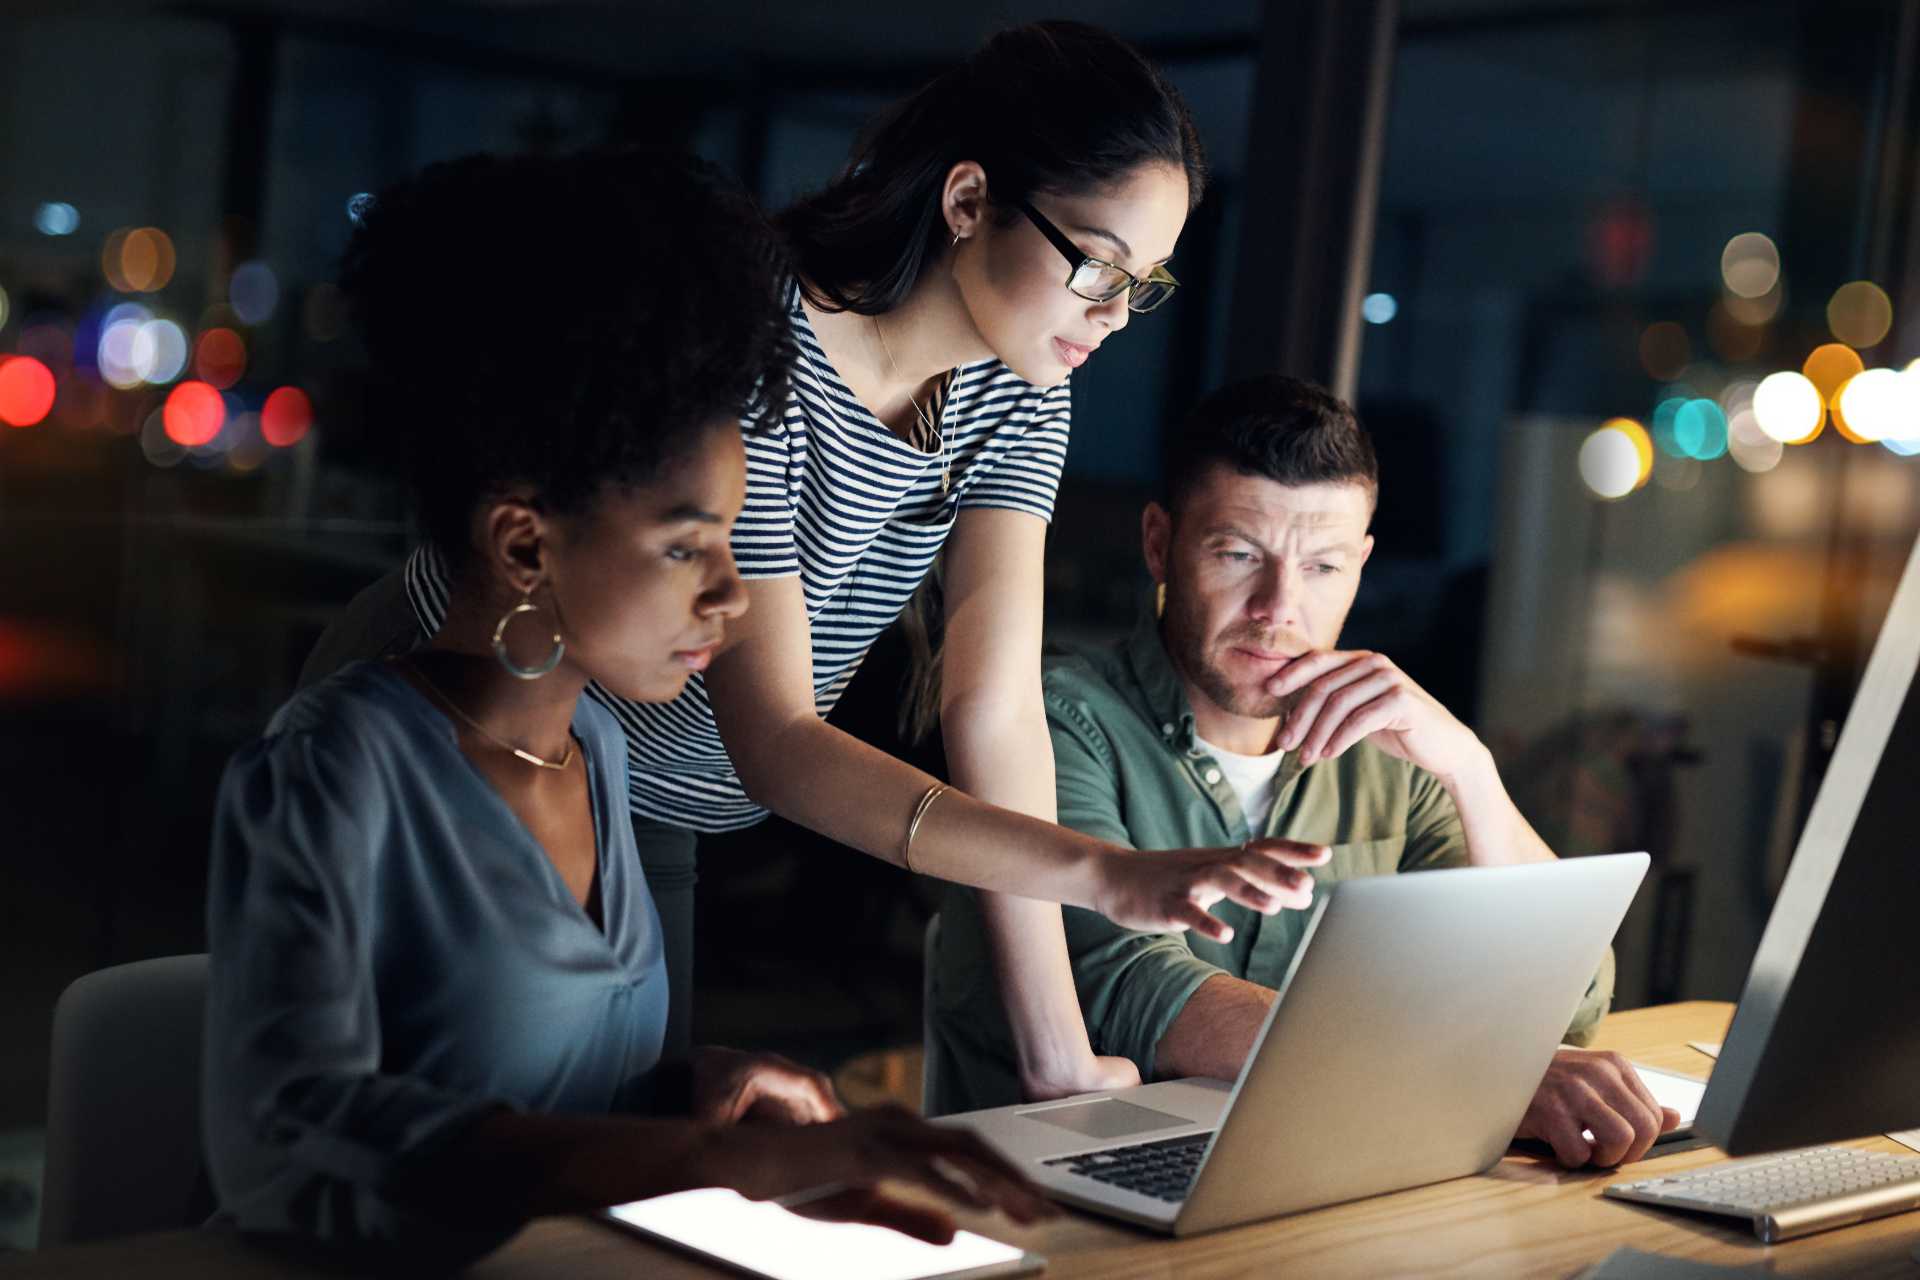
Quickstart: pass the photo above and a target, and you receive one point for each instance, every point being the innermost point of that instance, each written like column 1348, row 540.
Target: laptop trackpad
column 1106, row 1118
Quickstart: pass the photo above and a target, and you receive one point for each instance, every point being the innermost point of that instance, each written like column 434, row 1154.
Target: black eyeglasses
column 1098, row 280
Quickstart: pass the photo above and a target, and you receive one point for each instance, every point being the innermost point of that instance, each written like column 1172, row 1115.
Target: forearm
column 829, row 781
column 1004, row 756
column 1215, row 1030
column 529, row 1165
column 1497, row 833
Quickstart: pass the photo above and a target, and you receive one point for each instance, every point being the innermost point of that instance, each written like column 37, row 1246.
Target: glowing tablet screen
column 767, row 1240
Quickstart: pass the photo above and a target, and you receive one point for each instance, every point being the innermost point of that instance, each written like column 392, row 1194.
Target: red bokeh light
column 26, row 391
column 194, row 414
column 285, row 417
column 220, row 357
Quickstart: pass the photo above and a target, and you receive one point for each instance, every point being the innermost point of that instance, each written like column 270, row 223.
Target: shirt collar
column 1165, row 697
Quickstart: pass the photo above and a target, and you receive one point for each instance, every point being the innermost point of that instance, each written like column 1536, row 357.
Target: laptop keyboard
column 1163, row 1169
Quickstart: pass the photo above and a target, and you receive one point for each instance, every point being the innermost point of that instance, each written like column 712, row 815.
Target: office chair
column 123, row 1111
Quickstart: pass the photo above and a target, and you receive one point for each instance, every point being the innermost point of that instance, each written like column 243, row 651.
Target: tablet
column 763, row 1239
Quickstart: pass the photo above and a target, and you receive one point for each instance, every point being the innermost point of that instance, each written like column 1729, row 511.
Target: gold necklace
column 487, row 733
column 937, row 439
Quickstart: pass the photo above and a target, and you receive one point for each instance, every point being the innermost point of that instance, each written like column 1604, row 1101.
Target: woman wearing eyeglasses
column 989, row 235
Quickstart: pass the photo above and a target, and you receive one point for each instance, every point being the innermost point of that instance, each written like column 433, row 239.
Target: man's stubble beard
column 1183, row 632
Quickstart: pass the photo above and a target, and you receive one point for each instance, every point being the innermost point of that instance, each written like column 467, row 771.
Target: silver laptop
column 1410, row 1032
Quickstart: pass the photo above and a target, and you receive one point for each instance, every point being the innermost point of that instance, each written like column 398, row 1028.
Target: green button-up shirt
column 1130, row 770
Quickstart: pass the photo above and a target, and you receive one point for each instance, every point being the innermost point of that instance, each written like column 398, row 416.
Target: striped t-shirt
column 858, row 514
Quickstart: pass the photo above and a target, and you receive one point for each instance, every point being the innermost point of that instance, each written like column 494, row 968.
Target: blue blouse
column 394, row 955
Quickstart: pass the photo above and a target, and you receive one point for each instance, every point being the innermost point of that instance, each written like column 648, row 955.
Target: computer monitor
column 1825, row 1045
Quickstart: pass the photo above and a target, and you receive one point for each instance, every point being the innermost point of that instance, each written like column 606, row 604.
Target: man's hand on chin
column 1595, row 1093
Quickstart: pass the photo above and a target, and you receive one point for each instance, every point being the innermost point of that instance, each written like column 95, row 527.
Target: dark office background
column 1502, row 222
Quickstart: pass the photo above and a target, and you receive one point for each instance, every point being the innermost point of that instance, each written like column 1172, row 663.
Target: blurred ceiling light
column 254, row 292
column 220, row 357
column 286, row 417
column 1378, row 308
column 1610, row 463
column 1750, row 265
column 1788, row 407
column 1860, row 313
column 26, row 391
column 1665, row 351
column 194, row 414
column 56, row 218
column 1828, row 368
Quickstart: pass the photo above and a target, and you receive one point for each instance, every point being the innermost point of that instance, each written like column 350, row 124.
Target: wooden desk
column 1525, row 1217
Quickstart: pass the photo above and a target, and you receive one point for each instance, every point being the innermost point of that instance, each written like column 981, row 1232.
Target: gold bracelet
column 919, row 812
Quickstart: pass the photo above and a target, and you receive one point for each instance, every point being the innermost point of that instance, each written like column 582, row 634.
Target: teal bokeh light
column 1660, row 426
column 1700, row 429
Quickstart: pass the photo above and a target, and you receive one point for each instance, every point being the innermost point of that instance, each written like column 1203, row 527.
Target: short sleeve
column 305, row 1134
column 763, row 543
column 1025, row 474
column 1132, row 985
column 1435, row 836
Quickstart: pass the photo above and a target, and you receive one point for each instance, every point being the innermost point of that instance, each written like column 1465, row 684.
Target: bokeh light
column 1700, row 429
column 1750, row 265
column 1829, row 367
column 1751, row 448
column 158, row 447
column 56, row 218
column 125, row 354
column 286, row 417
column 1788, row 407
column 1620, row 243
column 253, row 292
column 1662, row 425
column 1677, row 475
column 220, row 357
column 26, row 391
column 1873, row 406
column 194, row 414
column 1732, row 338
column 140, row 260
column 1665, row 351
column 1754, row 312
column 1378, row 308
column 1860, row 313
column 1610, row 461
column 169, row 344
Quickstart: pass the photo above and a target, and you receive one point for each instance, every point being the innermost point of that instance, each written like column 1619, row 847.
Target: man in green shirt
column 1231, row 714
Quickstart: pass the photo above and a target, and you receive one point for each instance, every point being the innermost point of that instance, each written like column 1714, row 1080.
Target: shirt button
column 1166, row 731
column 1212, row 776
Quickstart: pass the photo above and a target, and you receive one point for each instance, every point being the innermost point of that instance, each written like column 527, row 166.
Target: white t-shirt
column 1251, row 778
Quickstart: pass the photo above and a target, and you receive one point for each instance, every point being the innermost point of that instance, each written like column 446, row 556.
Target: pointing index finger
column 1289, row 853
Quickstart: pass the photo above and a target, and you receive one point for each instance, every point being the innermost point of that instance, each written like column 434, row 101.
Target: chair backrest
column 929, row 1086
column 123, row 1111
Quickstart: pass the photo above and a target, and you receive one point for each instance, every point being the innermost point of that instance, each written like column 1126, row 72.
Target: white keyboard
column 1791, row 1194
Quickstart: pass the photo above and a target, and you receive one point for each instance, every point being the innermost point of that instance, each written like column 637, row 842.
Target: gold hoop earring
column 526, row 605
column 956, row 240
column 1159, row 600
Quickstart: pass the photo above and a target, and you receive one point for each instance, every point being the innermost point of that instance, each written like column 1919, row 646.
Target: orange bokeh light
column 194, row 414
column 26, row 391
column 220, row 357
column 286, row 417
column 1829, row 367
